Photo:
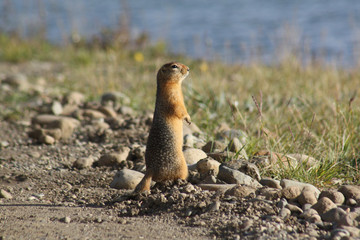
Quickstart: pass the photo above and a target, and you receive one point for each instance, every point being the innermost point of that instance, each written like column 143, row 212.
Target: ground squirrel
column 164, row 157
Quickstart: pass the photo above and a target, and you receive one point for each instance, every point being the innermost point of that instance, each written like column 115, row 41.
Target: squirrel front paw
column 188, row 119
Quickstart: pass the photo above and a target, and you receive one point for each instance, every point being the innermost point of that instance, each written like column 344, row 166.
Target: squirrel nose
column 188, row 69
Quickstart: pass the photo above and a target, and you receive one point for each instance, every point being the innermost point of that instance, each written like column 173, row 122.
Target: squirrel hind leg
column 144, row 184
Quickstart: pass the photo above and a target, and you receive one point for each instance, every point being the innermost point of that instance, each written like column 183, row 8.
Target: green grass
column 285, row 108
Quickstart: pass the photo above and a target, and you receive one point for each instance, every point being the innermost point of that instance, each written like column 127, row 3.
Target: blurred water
column 235, row 31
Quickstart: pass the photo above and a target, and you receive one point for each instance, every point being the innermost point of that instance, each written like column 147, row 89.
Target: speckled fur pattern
column 164, row 157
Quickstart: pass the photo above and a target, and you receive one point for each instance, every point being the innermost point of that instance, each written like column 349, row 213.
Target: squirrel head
column 172, row 72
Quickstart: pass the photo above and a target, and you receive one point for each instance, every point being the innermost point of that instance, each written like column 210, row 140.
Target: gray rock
column 125, row 110
column 311, row 215
column 350, row 191
column 282, row 203
column 193, row 155
column 49, row 140
column 191, row 129
column 269, row 182
column 229, row 175
column 56, row 108
column 65, row 124
column 92, row 114
column 207, row 164
column 74, row 98
column 18, row 81
column 308, row 195
column 240, row 191
column 339, row 233
column 293, row 208
column 271, row 193
column 245, row 167
column 221, row 156
column 82, row 163
column 114, row 98
column 189, row 140
column 334, row 215
column 333, row 195
column 350, row 219
column 302, row 158
column 285, row 213
column 66, row 219
column 213, row 146
column 354, row 231
column 115, row 158
column 5, row 194
column 126, row 179
column 107, row 111
column 216, row 187
column 286, row 183
column 237, row 147
column 323, row 205
column 291, row 192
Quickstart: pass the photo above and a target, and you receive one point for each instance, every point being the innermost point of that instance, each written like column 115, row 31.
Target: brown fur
column 164, row 157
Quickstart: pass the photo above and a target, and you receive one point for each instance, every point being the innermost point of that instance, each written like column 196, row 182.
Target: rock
column 125, row 110
column 244, row 166
column 250, row 169
column 18, row 81
column 114, row 98
column 69, row 110
column 286, row 183
column 240, row 191
column 323, row 205
column 207, row 164
column 291, row 192
column 74, row 98
column 216, row 187
column 137, row 152
column 5, row 194
column 237, row 147
column 266, row 158
column 126, row 179
column 308, row 195
column 354, row 231
column 333, row 195
column 351, row 202
column 285, row 213
column 107, row 111
column 49, row 140
column 224, row 131
column 56, row 108
column 302, row 158
column 82, row 163
column 4, row 144
column 113, row 159
column 229, row 175
column 334, row 215
column 193, row 155
column 293, row 208
column 215, row 206
column 271, row 193
column 213, row 146
column 270, row 183
column 350, row 219
column 65, row 124
column 311, row 215
column 350, row 191
column 221, row 156
column 189, row 140
column 92, row 114
column 339, row 233
column 191, row 129
column 66, row 219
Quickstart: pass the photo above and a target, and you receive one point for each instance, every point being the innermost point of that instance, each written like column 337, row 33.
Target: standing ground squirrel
column 164, row 157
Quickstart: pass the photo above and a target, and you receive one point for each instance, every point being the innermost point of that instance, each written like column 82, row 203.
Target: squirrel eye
column 174, row 66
